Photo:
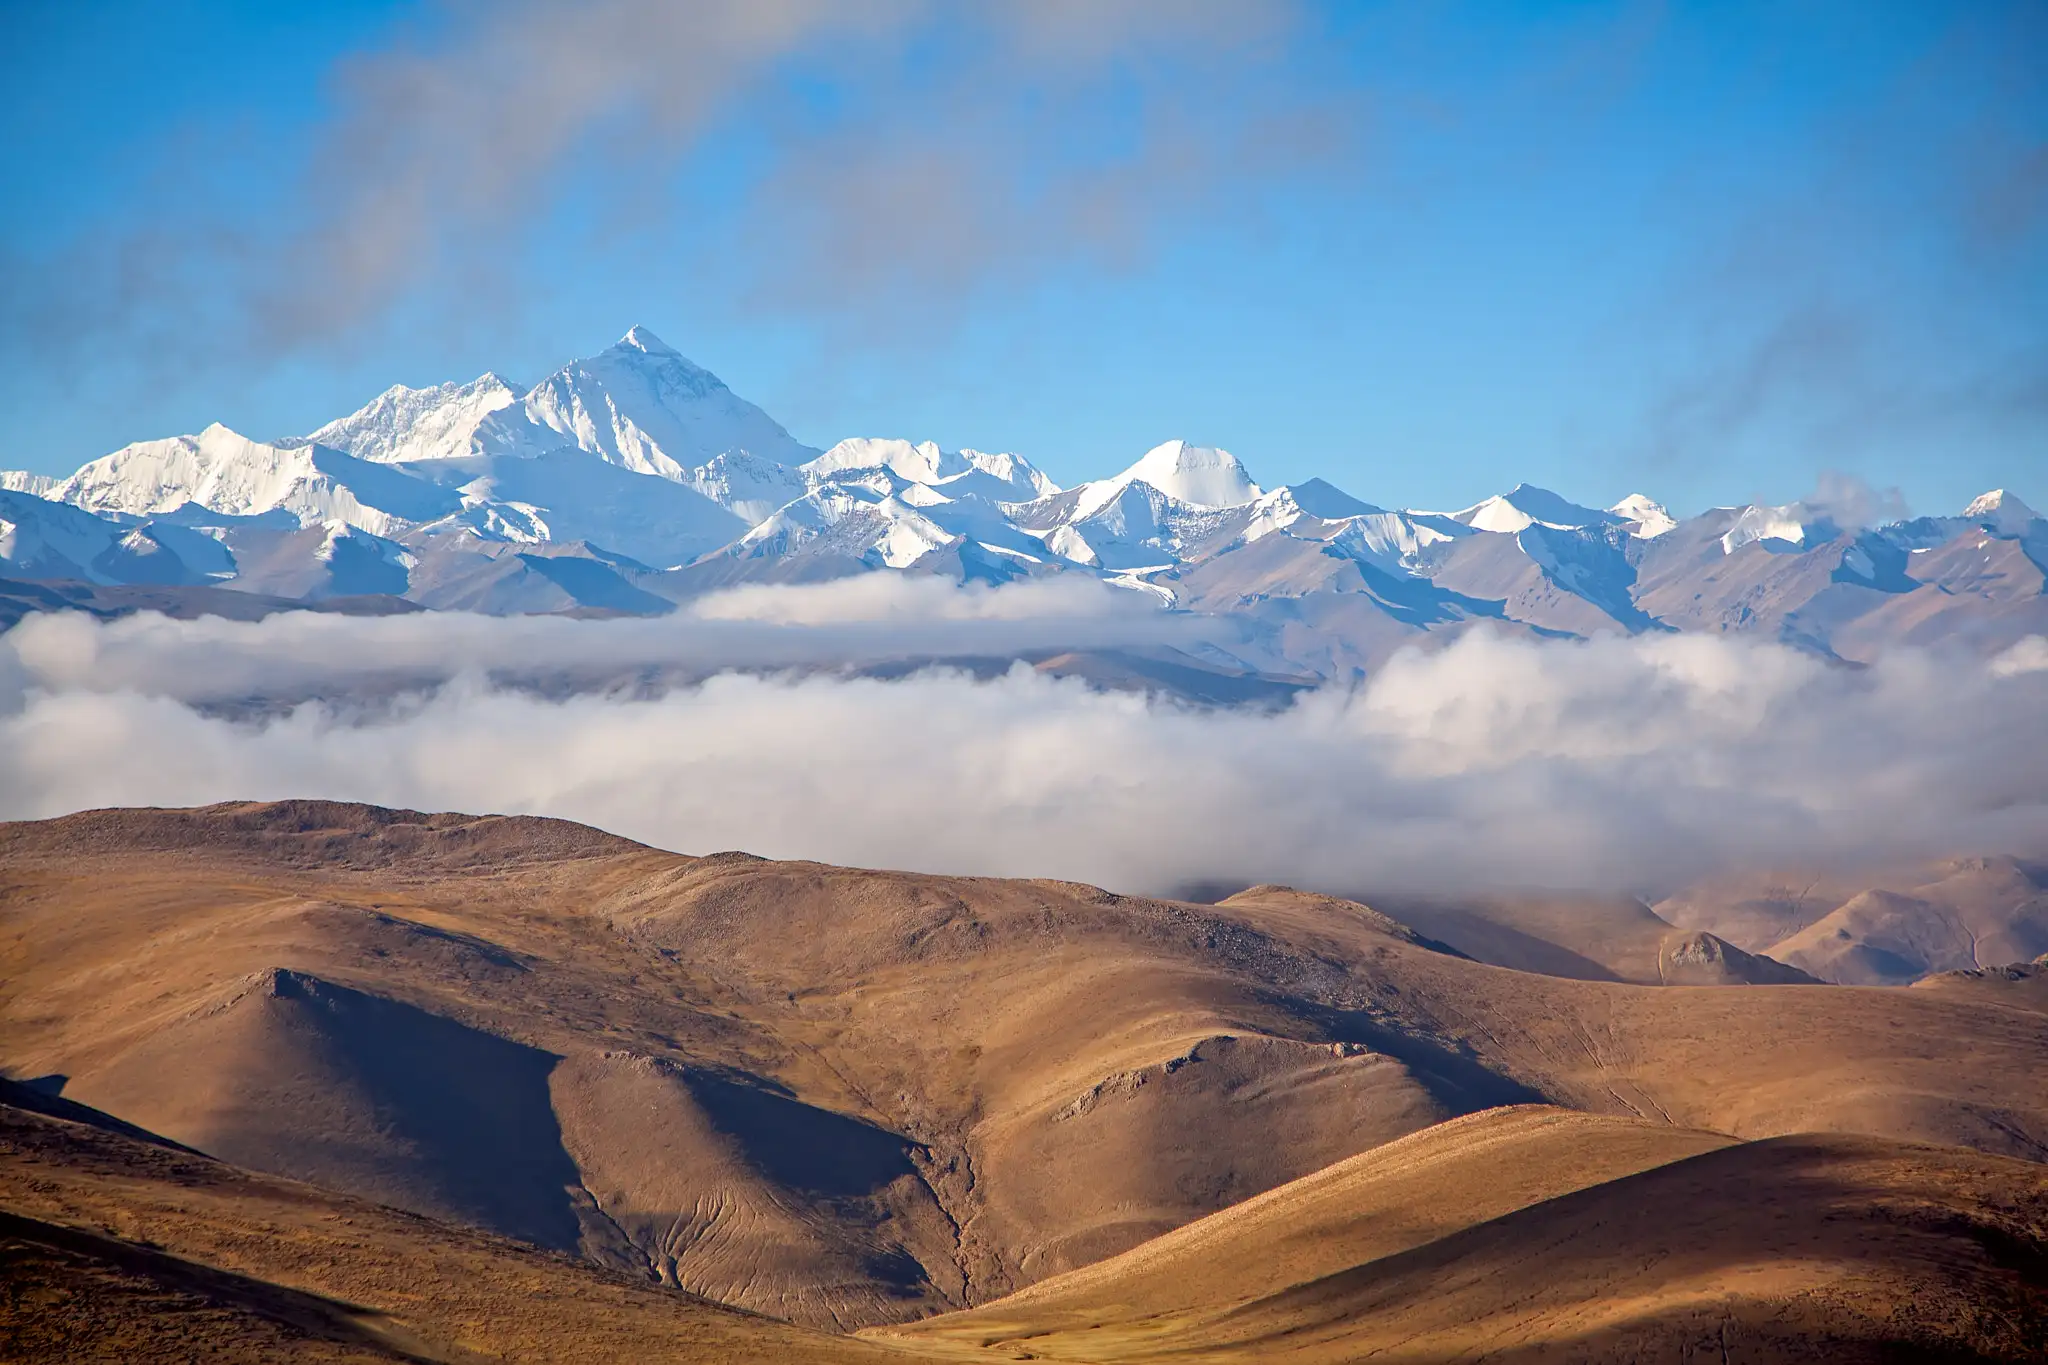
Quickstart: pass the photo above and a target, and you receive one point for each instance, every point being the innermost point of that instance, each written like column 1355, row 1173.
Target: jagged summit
column 881, row 462
column 402, row 423
column 22, row 481
column 1792, row 526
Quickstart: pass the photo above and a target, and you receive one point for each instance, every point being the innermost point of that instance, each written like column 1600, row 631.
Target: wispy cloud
column 1875, row 302
column 1045, row 133
column 1851, row 501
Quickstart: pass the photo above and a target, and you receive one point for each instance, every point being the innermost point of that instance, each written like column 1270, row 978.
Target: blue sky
column 1423, row 251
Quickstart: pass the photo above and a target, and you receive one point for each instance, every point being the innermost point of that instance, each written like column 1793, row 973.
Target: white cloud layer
column 870, row 619
column 1499, row 761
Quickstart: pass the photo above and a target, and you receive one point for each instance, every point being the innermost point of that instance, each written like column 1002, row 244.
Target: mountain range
column 635, row 480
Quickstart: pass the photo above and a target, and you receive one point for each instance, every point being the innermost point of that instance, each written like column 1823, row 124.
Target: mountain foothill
column 309, row 1080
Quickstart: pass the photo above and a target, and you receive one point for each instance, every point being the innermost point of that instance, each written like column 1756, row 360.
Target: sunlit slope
column 1529, row 1234
column 852, row 1097
column 1395, row 1197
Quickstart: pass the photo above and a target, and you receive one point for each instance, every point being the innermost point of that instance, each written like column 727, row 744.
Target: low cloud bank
column 1495, row 761
column 870, row 619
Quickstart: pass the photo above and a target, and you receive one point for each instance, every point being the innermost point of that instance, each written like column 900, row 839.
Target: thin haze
column 1631, row 764
column 1423, row 251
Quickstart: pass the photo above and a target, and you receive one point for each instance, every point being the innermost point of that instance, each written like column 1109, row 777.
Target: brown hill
column 731, row 1190
column 1883, row 926
column 1701, row 959
column 854, row 1097
column 1529, row 1234
column 1754, row 910
column 115, row 1249
column 1587, row 938
column 1401, row 1195
column 2020, row 985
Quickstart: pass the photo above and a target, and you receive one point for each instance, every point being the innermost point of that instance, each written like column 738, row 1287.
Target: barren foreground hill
column 850, row 1099
column 1531, row 1233
column 115, row 1248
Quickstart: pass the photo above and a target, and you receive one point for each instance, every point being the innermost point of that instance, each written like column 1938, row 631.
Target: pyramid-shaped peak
column 1529, row 496
column 220, row 439
column 1997, row 500
column 1647, row 517
column 1525, row 505
column 641, row 352
column 1320, row 498
column 639, row 338
column 2002, row 511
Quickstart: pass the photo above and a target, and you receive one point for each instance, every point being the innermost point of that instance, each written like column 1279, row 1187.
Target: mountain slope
column 403, row 424
column 1395, row 1197
column 1200, row 476
column 1588, row 938
column 1883, row 926
column 1526, row 505
column 118, row 1249
column 642, row 406
column 563, row 495
column 226, row 474
column 1530, row 1236
column 881, row 1092
column 49, row 540
column 412, row 1109
column 1983, row 912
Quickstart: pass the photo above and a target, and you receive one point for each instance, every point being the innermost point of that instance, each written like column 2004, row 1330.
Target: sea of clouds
column 1493, row 761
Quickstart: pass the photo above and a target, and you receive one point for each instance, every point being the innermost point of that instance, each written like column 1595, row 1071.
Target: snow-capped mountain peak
column 1324, row 500
column 641, row 405
column 2002, row 512
column 644, row 340
column 222, row 474
column 1646, row 520
column 1028, row 479
column 215, row 466
column 21, row 481
column 995, row 477
column 1791, row 527
column 922, row 462
column 1199, row 476
column 1203, row 476
column 633, row 478
column 1283, row 507
column 435, row 423
column 1527, row 505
